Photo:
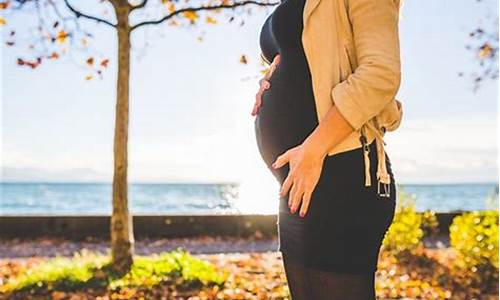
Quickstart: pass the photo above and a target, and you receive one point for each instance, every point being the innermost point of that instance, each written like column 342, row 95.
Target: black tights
column 309, row 284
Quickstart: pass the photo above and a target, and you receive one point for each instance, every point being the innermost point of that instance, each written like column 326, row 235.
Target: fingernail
column 302, row 214
column 274, row 165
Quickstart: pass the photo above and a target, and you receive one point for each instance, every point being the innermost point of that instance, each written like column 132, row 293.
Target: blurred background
column 192, row 146
column 196, row 179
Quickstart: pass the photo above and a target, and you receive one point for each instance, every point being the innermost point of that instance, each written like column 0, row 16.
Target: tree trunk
column 122, row 236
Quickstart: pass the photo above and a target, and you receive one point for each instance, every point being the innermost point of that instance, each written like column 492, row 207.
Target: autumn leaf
column 3, row 21
column 485, row 51
column 90, row 61
column 62, row 36
column 190, row 15
column 89, row 77
column 104, row 63
column 54, row 55
column 171, row 7
column 31, row 64
column 243, row 59
column 4, row 5
column 211, row 20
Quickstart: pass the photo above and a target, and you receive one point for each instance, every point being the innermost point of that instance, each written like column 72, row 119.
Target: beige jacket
column 352, row 49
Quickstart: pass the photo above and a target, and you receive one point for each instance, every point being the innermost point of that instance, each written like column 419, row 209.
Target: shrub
column 405, row 232
column 429, row 223
column 474, row 236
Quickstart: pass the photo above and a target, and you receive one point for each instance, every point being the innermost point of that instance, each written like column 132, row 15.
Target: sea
column 209, row 198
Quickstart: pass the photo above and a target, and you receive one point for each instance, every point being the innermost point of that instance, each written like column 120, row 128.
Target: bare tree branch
column 169, row 16
column 79, row 14
column 140, row 5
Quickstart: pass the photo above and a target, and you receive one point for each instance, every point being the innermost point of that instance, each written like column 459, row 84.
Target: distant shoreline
column 229, row 183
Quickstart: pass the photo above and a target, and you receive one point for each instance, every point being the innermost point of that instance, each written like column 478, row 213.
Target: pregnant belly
column 284, row 120
column 274, row 123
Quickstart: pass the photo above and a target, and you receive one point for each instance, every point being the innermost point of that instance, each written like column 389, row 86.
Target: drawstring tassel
column 368, row 181
column 383, row 178
column 366, row 152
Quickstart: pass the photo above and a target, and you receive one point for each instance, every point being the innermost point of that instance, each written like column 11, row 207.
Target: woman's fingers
column 291, row 195
column 282, row 159
column 305, row 202
column 264, row 85
column 256, row 105
column 296, row 196
column 286, row 185
column 276, row 60
column 255, row 109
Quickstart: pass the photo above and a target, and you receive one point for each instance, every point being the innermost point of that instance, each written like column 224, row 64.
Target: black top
column 282, row 33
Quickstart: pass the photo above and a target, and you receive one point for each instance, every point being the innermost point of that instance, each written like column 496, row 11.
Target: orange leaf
column 3, row 21
column 171, row 7
column 243, row 59
column 190, row 15
column 90, row 61
column 104, row 63
column 211, row 20
column 4, row 5
column 61, row 36
column 485, row 51
column 89, row 77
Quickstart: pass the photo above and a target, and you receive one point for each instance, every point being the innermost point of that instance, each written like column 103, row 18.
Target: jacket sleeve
column 376, row 80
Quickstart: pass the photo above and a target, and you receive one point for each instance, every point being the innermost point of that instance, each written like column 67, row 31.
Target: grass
column 92, row 270
column 418, row 274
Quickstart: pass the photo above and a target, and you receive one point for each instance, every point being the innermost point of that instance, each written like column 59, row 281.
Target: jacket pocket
column 345, row 66
column 347, row 60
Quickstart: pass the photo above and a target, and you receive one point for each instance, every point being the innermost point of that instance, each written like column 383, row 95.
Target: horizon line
column 222, row 182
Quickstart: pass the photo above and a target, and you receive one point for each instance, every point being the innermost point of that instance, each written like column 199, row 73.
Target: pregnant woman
column 331, row 219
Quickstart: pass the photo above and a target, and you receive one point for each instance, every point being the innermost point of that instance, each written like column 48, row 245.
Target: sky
column 190, row 106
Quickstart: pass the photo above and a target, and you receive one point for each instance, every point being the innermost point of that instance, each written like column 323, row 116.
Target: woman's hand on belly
column 264, row 84
column 305, row 170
